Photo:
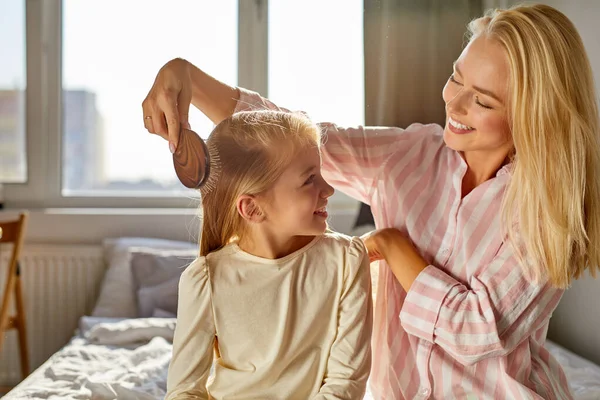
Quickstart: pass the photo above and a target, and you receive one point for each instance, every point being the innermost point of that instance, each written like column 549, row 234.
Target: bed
column 128, row 359
column 123, row 350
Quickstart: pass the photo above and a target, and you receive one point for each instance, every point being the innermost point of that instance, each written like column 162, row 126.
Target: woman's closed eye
column 453, row 80
column 479, row 103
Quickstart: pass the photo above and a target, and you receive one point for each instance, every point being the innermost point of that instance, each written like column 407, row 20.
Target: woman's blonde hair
column 551, row 209
column 254, row 147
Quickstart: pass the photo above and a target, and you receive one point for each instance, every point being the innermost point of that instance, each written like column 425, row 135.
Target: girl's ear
column 249, row 209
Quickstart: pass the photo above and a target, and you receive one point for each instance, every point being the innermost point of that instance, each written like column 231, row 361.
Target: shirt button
column 425, row 392
column 445, row 251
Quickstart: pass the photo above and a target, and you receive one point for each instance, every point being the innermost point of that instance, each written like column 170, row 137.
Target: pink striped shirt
column 471, row 325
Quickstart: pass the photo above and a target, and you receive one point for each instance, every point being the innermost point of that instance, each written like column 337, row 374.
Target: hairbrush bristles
column 213, row 169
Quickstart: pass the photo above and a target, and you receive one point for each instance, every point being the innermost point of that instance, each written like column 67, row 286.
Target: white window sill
column 92, row 225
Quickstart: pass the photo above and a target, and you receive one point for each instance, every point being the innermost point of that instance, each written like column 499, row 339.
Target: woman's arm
column 349, row 360
column 194, row 336
column 488, row 317
column 353, row 158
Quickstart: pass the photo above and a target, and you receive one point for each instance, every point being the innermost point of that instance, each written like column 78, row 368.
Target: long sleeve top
column 297, row 327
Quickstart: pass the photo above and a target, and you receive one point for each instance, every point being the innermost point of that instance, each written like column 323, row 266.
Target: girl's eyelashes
column 310, row 179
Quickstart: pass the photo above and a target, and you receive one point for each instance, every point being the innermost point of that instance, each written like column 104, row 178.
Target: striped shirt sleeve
column 487, row 318
column 353, row 158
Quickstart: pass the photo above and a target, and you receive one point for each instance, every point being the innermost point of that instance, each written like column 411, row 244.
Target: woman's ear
column 249, row 209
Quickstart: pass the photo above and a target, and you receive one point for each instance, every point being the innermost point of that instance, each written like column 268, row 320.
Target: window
column 111, row 53
column 316, row 61
column 316, row 58
column 13, row 165
column 99, row 58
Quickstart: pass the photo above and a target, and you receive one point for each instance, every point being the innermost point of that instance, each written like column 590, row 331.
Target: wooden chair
column 14, row 232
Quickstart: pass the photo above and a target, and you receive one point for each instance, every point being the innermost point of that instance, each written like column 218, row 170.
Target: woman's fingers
column 166, row 107
column 184, row 100
column 371, row 246
column 148, row 122
column 378, row 241
column 375, row 257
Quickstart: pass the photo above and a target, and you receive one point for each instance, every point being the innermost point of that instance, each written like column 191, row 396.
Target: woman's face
column 476, row 102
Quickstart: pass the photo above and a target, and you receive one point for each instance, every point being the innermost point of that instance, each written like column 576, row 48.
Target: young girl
column 289, row 301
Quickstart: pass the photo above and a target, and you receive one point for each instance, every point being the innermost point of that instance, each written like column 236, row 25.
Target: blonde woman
column 289, row 301
column 483, row 222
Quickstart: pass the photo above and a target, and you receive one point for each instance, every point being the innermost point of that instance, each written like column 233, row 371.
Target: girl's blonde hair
column 253, row 147
column 552, row 203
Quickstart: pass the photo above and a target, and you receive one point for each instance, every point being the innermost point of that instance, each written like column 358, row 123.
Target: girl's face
column 476, row 102
column 296, row 204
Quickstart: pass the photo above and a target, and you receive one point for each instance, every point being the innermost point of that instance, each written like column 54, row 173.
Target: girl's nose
column 327, row 191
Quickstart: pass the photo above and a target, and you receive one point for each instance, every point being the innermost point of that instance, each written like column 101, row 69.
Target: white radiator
column 60, row 284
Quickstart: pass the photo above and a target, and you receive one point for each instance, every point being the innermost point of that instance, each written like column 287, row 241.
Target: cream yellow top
column 298, row 327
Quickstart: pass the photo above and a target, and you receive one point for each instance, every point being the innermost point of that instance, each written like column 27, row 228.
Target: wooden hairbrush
column 191, row 160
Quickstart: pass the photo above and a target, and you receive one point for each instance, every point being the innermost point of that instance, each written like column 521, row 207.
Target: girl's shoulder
column 197, row 269
column 344, row 244
column 194, row 281
column 346, row 254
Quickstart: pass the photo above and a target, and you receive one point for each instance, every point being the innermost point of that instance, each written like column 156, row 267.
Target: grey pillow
column 156, row 278
column 160, row 313
column 117, row 295
column 161, row 298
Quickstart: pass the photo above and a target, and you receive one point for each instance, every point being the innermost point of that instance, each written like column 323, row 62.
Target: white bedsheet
column 128, row 366
column 583, row 375
column 82, row 370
